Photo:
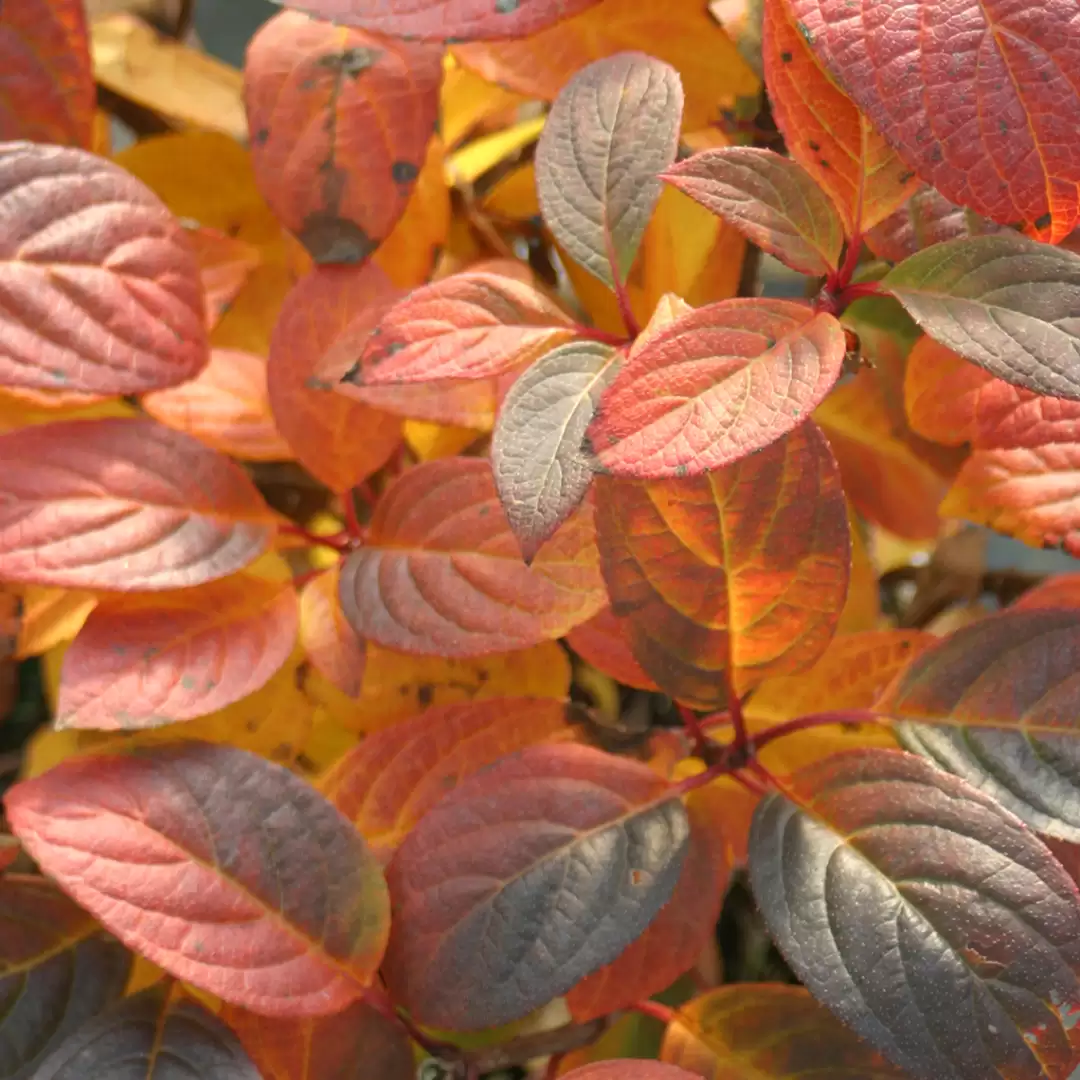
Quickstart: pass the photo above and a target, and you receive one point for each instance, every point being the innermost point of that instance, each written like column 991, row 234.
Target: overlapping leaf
column 1004, row 302
column 624, row 1069
column 329, row 641
column 980, row 103
column 340, row 123
column 57, row 970
column 823, row 129
column 49, row 616
column 770, row 199
column 714, row 386
column 123, row 504
column 767, row 1031
column 99, row 287
column 225, row 264
column 604, row 643
column 611, row 131
column 49, row 94
column 441, row 571
column 200, row 858
column 481, row 885
column 893, row 887
column 147, row 661
column 682, row 564
column 541, row 470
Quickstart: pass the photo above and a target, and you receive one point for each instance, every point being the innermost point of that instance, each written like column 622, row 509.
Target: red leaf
column 49, row 94
column 466, row 326
column 604, row 642
column 200, row 857
column 395, row 776
column 627, row 1069
column 340, row 123
column 338, row 441
column 482, row 885
column 329, row 641
column 123, row 504
column 445, row 20
column 225, row 264
column 441, row 571
column 716, row 385
column 99, row 287
column 982, row 103
column 145, row 661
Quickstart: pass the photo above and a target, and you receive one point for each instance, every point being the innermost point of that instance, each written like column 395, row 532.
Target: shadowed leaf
column 628, row 1069
column 604, row 642
column 330, row 643
column 199, row 857
column 480, row 885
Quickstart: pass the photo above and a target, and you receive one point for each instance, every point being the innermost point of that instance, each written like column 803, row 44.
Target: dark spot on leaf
column 482, row 675
column 786, row 57
column 452, row 40
column 333, row 239
column 824, row 164
column 936, row 154
column 1003, row 127
column 484, row 511
column 404, row 172
column 252, row 725
column 1043, row 221
column 906, row 176
column 506, row 7
column 353, row 375
column 261, row 136
column 187, row 683
column 307, row 85
column 425, row 694
column 313, row 382
column 351, row 62
column 681, row 470
column 814, row 146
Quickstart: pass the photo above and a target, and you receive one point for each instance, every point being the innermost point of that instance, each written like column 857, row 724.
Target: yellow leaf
column 102, row 136
column 469, row 101
column 18, row 410
column 50, row 616
column 429, row 441
column 513, row 198
column 467, row 165
column 862, row 609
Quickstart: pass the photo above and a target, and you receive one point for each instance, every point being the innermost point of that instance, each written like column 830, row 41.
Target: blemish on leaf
column 814, row 146
column 404, row 172
column 1043, row 221
column 906, row 176
column 261, row 136
column 333, row 239
column 425, row 694
column 786, row 57
column 351, row 62
column 506, row 7
column 187, row 682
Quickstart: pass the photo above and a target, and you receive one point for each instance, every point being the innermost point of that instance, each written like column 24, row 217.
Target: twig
column 654, row 1009
column 341, row 541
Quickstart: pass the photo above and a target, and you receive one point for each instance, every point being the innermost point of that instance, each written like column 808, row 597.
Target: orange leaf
column 329, row 641
column 50, row 616
column 225, row 264
column 604, row 643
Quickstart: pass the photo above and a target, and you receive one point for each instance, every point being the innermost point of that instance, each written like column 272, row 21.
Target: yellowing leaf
column 468, row 164
column 19, row 410
column 468, row 101
column 429, row 441
column 50, row 616
column 514, row 196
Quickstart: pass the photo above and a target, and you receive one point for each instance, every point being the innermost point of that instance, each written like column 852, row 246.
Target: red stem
column 694, row 730
column 751, row 783
column 352, row 523
column 655, row 1010
column 822, row 719
column 553, row 1064
column 851, row 293
column 621, row 294
column 735, row 711
column 842, row 278
column 377, row 998
column 338, row 542
column 592, row 333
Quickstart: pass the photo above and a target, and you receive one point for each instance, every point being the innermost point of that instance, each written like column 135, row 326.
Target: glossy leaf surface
column 99, row 287
column 199, row 857
column 123, row 504
column 541, row 471
column 480, row 885
column 441, row 571
column 611, row 131
column 893, row 888
column 714, row 386
column 340, row 124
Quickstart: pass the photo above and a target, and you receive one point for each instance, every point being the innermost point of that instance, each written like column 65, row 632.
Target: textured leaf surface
column 340, row 123
column 99, row 286
column 49, row 94
column 147, row 1037
column 441, row 571
column 339, row 441
column 57, row 970
column 823, row 129
column 541, row 470
column 978, row 97
column 226, row 406
column 604, row 642
column 770, row 199
column 395, row 776
column 123, row 504
column 330, row 643
column 467, row 326
column 767, row 1032
column 943, row 393
column 894, row 888
column 480, row 887
column 1005, row 302
column 200, row 858
column 443, row 20
column 147, row 661
column 681, row 560
column 611, row 131
column 624, row 1069
column 714, row 386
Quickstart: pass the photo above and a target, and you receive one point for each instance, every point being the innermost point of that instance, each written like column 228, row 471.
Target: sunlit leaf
column 550, row 829
column 49, row 616
column 468, row 103
column 604, row 643
column 256, row 921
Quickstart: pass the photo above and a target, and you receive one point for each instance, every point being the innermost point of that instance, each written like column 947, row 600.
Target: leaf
column 387, row 783
column 49, row 93
column 466, row 326
column 146, row 661
column 823, row 129
column 163, row 1038
column 769, row 199
column 627, row 1069
column 481, row 886
column 767, row 1032
column 446, row 20
column 626, row 109
column 356, row 1044
column 99, row 287
column 541, row 471
column 340, row 123
column 469, row 105
column 681, row 560
column 981, row 104
column 714, row 386
column 57, row 971
column 440, row 571
column 123, row 504
column 604, row 643
column 225, row 264
column 226, row 406
column 709, row 64
column 893, row 887
column 1004, row 302
column 49, row 616
column 329, row 641
column 340, row 442
column 256, row 921
column 469, row 164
